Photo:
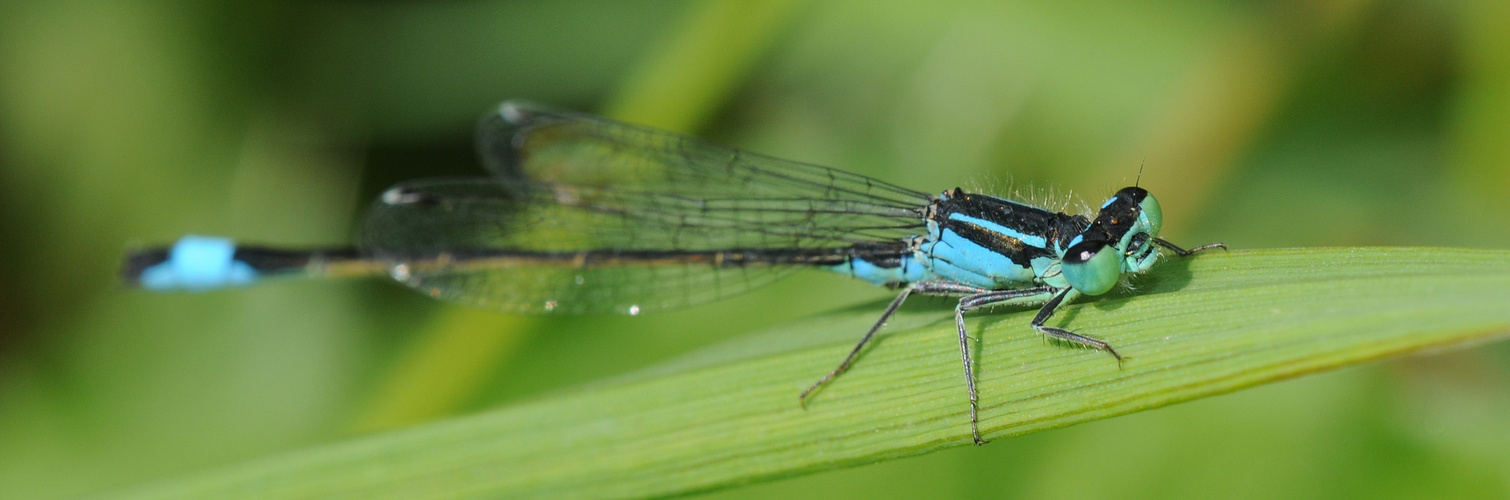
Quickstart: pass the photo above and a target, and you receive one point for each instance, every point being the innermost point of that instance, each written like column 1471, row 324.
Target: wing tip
column 517, row 111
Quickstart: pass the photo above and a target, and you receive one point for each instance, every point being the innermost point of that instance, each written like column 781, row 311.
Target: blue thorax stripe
column 1028, row 239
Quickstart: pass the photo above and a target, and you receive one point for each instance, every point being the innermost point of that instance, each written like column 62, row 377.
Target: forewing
column 566, row 184
column 686, row 175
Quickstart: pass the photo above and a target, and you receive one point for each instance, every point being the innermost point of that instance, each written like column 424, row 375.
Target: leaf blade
column 1195, row 327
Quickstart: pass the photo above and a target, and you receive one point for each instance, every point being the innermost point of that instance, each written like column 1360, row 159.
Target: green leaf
column 727, row 416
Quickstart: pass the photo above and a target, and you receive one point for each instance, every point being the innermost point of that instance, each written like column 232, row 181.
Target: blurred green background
column 1262, row 124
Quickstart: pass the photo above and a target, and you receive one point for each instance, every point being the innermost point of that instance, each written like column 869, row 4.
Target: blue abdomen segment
column 903, row 269
column 197, row 263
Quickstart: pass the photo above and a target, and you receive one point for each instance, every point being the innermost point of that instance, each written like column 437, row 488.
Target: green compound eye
column 1092, row 267
column 1152, row 213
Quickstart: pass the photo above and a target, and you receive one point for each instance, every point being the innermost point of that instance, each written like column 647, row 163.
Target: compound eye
column 1092, row 267
column 1152, row 213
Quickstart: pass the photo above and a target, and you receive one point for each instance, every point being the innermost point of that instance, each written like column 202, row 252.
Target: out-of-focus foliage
column 1262, row 124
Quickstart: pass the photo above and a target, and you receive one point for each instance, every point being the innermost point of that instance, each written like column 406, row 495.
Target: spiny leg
column 1065, row 296
column 976, row 301
column 1186, row 253
column 922, row 287
column 855, row 353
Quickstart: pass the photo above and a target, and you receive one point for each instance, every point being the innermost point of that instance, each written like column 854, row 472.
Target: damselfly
column 581, row 214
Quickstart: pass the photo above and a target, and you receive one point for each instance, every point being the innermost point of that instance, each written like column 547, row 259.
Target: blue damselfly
column 581, row 214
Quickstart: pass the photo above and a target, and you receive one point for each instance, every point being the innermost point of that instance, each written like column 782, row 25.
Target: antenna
column 1140, row 172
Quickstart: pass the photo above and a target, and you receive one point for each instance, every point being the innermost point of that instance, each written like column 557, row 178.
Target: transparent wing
column 507, row 247
column 588, row 215
column 523, row 142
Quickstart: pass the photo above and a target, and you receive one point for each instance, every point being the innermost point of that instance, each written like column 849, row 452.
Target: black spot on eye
column 1083, row 251
column 1134, row 194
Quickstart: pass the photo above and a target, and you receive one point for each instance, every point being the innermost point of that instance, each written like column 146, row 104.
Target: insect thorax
column 995, row 243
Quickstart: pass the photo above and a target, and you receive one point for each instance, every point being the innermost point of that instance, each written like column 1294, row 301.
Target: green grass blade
column 728, row 416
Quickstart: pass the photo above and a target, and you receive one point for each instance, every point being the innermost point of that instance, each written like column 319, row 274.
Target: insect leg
column 1186, row 253
column 976, row 301
column 1067, row 295
column 922, row 287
